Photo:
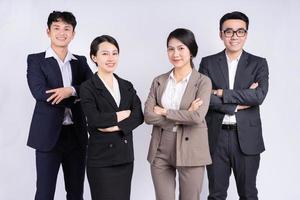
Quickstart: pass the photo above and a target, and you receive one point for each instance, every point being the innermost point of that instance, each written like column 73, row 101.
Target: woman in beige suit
column 176, row 107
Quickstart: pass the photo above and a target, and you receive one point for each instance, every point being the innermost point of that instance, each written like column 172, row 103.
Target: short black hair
column 64, row 16
column 100, row 39
column 234, row 15
column 187, row 38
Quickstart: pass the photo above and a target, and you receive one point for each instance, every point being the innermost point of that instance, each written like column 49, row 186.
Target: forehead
column 106, row 46
column 234, row 24
column 61, row 23
column 175, row 42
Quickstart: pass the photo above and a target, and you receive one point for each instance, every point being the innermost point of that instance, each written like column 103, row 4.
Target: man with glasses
column 240, row 85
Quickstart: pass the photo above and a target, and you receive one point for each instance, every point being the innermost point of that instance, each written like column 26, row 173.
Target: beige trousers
column 163, row 171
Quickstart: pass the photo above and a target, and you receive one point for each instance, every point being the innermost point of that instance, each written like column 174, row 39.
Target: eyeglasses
column 230, row 32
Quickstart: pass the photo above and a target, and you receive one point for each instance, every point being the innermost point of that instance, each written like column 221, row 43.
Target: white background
column 141, row 28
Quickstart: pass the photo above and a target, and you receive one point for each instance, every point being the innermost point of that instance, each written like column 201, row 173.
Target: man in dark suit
column 240, row 85
column 58, row 129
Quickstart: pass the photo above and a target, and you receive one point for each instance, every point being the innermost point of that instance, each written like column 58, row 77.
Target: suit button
column 186, row 139
column 110, row 145
column 125, row 141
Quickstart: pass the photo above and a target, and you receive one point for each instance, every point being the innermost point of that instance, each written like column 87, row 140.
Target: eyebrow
column 115, row 50
column 181, row 45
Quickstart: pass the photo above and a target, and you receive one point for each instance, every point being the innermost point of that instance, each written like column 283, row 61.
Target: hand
column 109, row 129
column 121, row 115
column 159, row 110
column 253, row 86
column 59, row 94
column 195, row 104
column 242, row 107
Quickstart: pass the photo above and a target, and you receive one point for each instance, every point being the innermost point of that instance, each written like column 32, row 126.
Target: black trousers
column 110, row 183
column 228, row 157
column 71, row 156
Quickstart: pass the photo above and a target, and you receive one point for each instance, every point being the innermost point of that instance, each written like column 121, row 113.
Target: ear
column 94, row 58
column 48, row 32
column 220, row 35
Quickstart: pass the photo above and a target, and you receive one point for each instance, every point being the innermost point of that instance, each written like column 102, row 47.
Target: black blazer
column 107, row 149
column 44, row 74
column 250, row 69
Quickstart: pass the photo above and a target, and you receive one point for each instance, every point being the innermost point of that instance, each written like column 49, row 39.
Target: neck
column 233, row 55
column 106, row 77
column 61, row 52
column 182, row 72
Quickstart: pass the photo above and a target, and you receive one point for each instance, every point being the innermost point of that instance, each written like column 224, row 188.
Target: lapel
column 99, row 85
column 222, row 63
column 190, row 90
column 125, row 93
column 74, row 67
column 52, row 67
column 161, row 86
column 241, row 68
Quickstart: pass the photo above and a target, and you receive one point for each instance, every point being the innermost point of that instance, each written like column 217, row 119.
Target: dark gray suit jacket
column 250, row 69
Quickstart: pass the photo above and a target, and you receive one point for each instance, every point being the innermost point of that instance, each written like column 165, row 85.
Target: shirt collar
column 236, row 60
column 50, row 53
column 185, row 79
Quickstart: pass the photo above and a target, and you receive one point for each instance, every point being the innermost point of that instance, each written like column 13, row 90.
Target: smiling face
column 60, row 34
column 179, row 54
column 107, row 57
column 234, row 44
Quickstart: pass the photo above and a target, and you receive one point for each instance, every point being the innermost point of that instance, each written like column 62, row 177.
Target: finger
column 55, row 100
column 51, row 91
column 52, row 97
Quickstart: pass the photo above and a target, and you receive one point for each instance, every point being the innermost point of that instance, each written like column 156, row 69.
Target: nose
column 176, row 52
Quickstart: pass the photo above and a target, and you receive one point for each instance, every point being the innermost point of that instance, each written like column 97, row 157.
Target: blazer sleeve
column 216, row 103
column 136, row 117
column 251, row 97
column 37, row 83
column 193, row 117
column 150, row 116
column 86, row 73
column 95, row 118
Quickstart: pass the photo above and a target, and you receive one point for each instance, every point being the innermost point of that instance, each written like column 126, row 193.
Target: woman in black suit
column 113, row 110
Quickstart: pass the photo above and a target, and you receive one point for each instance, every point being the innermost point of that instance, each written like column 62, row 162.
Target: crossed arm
column 159, row 116
column 229, row 101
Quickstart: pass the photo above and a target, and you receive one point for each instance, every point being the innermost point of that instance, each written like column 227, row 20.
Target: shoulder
column 124, row 82
column 162, row 77
column 200, row 78
column 79, row 57
column 36, row 56
column 254, row 58
column 213, row 56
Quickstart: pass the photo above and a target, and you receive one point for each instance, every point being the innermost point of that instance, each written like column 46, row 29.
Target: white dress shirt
column 66, row 73
column 173, row 93
column 115, row 91
column 232, row 66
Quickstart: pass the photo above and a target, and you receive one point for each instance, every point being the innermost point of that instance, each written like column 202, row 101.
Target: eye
column 241, row 31
column 104, row 54
column 170, row 49
column 181, row 48
column 116, row 53
column 228, row 31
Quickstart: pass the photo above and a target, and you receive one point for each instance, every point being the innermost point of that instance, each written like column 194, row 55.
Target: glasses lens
column 241, row 32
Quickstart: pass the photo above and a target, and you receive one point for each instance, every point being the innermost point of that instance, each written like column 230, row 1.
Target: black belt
column 229, row 126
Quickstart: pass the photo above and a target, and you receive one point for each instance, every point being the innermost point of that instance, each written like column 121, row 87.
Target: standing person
column 58, row 129
column 240, row 84
column 176, row 107
column 113, row 111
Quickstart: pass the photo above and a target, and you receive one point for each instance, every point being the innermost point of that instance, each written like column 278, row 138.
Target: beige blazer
column 192, row 140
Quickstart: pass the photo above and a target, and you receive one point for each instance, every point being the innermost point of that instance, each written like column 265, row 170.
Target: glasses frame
column 235, row 32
